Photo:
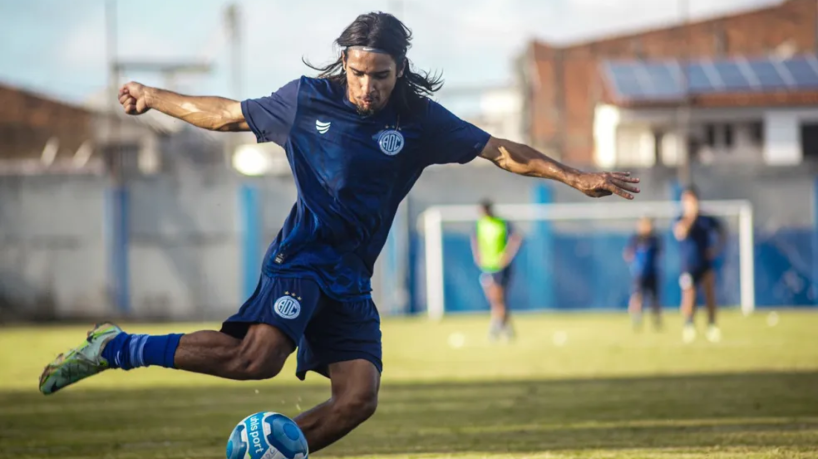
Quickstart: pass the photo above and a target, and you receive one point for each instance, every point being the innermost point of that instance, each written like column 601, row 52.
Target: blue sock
column 158, row 350
column 131, row 351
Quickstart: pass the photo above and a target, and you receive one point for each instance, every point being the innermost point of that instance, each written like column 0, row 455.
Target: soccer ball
column 267, row 435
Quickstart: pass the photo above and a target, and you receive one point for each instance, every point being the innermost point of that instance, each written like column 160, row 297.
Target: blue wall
column 588, row 272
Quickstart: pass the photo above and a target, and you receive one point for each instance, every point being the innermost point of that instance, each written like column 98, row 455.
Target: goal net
column 572, row 255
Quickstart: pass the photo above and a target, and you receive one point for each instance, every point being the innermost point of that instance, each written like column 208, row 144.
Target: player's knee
column 253, row 366
column 357, row 406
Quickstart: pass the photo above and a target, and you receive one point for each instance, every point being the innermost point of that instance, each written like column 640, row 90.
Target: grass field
column 578, row 385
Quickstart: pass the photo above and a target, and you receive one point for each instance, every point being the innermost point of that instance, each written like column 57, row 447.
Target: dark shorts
column 692, row 277
column 325, row 330
column 646, row 285
column 501, row 278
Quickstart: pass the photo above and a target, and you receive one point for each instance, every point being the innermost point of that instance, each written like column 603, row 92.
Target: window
column 710, row 135
column 728, row 135
column 757, row 132
column 809, row 140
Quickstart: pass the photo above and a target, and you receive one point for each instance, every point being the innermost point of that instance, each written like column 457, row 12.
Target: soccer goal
column 571, row 256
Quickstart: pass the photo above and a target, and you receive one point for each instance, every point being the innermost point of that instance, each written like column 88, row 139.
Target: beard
column 365, row 111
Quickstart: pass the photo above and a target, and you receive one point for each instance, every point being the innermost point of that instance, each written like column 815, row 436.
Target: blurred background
column 104, row 215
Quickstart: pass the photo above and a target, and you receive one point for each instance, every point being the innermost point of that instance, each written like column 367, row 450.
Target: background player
column 696, row 233
column 642, row 254
column 357, row 138
column 494, row 246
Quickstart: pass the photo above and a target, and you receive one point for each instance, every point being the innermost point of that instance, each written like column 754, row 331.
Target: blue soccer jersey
column 645, row 251
column 693, row 249
column 351, row 172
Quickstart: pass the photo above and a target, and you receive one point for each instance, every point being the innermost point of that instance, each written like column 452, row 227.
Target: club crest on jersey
column 390, row 141
column 288, row 307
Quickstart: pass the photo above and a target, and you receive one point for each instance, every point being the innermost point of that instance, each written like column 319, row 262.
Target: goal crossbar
column 433, row 218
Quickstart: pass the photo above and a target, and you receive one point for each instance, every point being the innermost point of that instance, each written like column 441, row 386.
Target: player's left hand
column 599, row 184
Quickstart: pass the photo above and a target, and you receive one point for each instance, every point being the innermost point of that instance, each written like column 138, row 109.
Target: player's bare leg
column 635, row 310
column 495, row 324
column 260, row 355
column 709, row 287
column 500, row 320
column 688, row 309
column 355, row 386
column 503, row 313
column 656, row 307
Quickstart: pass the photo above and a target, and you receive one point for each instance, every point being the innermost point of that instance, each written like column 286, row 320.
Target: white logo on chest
column 391, row 142
column 322, row 127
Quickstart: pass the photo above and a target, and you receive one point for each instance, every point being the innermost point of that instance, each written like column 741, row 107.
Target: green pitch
column 577, row 385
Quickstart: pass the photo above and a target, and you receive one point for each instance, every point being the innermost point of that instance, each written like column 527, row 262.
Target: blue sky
column 57, row 47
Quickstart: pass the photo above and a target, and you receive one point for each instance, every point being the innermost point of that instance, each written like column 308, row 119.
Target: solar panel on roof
column 767, row 75
column 803, row 73
column 697, row 80
column 732, row 78
column 625, row 81
column 663, row 80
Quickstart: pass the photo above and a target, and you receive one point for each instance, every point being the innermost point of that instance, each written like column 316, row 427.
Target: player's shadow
column 728, row 410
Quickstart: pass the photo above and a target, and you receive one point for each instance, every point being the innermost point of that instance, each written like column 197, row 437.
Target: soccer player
column 494, row 246
column 642, row 254
column 695, row 233
column 357, row 138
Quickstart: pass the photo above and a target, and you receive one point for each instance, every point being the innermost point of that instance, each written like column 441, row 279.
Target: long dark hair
column 386, row 32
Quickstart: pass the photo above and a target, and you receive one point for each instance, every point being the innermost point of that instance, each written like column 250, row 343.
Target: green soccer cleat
column 79, row 363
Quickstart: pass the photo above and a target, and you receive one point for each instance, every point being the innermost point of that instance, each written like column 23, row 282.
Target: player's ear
column 344, row 61
column 401, row 68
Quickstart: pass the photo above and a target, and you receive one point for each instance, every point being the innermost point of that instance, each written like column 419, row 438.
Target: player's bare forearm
column 512, row 248
column 206, row 112
column 475, row 252
column 627, row 255
column 682, row 228
column 524, row 160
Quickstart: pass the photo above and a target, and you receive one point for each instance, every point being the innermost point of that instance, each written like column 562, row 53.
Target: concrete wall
column 52, row 245
column 186, row 255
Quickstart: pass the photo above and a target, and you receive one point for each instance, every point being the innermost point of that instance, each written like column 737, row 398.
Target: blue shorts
column 325, row 330
column 501, row 278
column 646, row 285
column 692, row 277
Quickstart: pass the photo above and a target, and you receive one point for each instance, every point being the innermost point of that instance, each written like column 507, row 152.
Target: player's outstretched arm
column 475, row 252
column 628, row 253
column 682, row 228
column 513, row 246
column 524, row 160
column 212, row 113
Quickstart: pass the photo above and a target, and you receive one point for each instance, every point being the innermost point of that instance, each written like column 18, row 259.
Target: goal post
column 433, row 220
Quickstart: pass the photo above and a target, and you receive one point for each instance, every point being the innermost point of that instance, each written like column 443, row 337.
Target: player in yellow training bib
column 494, row 246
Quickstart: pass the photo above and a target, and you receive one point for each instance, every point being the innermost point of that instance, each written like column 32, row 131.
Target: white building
column 733, row 110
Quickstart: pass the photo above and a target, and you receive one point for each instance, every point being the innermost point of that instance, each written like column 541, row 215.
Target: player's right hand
column 133, row 97
column 599, row 184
